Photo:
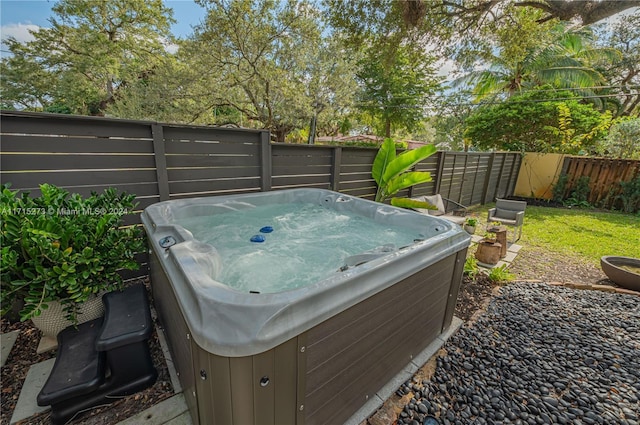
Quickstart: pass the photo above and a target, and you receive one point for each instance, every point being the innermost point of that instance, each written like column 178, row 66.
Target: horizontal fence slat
column 73, row 178
column 29, row 143
column 193, row 148
column 213, row 193
column 345, row 177
column 20, row 162
column 228, row 135
column 73, row 126
column 176, row 174
column 301, row 169
column 366, row 193
column 358, row 184
column 300, row 160
column 302, row 185
column 211, row 160
column 300, row 180
column 140, row 190
column 355, row 168
column 213, row 185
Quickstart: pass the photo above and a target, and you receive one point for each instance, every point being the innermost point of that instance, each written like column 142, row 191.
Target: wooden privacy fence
column 158, row 162
column 604, row 177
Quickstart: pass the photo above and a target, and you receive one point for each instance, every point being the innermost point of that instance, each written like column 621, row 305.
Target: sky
column 18, row 16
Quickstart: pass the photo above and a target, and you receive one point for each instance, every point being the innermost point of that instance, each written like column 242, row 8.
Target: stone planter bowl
column 611, row 267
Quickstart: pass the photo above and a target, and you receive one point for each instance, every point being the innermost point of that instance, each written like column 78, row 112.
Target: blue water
column 308, row 243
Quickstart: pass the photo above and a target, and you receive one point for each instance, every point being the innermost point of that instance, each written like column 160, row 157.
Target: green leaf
column 412, row 203
column 406, row 180
column 406, row 160
column 386, row 154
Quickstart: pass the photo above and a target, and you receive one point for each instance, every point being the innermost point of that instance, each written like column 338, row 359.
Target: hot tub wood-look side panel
column 259, row 389
column 456, row 280
column 354, row 354
column 176, row 330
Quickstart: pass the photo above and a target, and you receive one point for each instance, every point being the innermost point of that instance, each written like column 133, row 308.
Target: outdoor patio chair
column 509, row 213
column 446, row 208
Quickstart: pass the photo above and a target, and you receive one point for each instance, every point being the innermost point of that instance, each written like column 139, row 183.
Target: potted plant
column 60, row 250
column 494, row 225
column 470, row 225
column 489, row 237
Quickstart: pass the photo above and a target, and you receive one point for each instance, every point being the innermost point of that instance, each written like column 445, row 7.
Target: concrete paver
column 184, row 419
column 170, row 411
column 47, row 343
column 514, row 248
column 33, row 383
column 6, row 344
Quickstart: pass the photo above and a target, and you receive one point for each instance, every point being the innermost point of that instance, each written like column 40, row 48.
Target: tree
column 251, row 64
column 330, row 86
column 464, row 13
column 532, row 56
column 622, row 140
column 395, row 85
column 267, row 62
column 92, row 51
column 529, row 122
column 458, row 28
column 623, row 74
column 451, row 112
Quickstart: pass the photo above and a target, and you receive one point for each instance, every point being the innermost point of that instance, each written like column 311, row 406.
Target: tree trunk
column 280, row 134
column 387, row 127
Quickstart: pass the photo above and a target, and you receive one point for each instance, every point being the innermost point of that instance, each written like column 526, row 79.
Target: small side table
column 501, row 238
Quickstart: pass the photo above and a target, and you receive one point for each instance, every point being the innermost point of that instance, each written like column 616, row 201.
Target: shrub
column 630, row 195
column 560, row 187
column 501, row 275
column 61, row 247
column 471, row 267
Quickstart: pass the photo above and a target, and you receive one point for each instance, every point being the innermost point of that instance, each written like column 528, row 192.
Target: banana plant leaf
column 406, row 180
column 386, row 154
column 412, row 203
column 405, row 161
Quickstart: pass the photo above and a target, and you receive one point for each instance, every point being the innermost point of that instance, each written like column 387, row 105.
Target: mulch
column 23, row 355
column 473, row 295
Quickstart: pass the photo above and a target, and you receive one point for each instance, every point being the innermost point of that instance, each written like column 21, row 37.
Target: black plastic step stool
column 103, row 359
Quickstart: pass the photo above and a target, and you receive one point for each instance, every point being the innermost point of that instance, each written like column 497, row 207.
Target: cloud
column 18, row 31
column 169, row 47
column 446, row 68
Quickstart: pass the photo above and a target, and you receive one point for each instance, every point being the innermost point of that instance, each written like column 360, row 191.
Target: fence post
column 336, row 161
column 512, row 180
column 161, row 161
column 504, row 160
column 265, row 161
column 464, row 175
column 441, row 159
column 485, row 187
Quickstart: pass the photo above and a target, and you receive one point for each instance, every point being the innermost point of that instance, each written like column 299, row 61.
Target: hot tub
column 314, row 349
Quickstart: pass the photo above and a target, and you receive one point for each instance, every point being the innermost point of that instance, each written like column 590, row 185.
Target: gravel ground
column 540, row 354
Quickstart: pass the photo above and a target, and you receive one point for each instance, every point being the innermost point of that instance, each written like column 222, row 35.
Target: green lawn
column 579, row 232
